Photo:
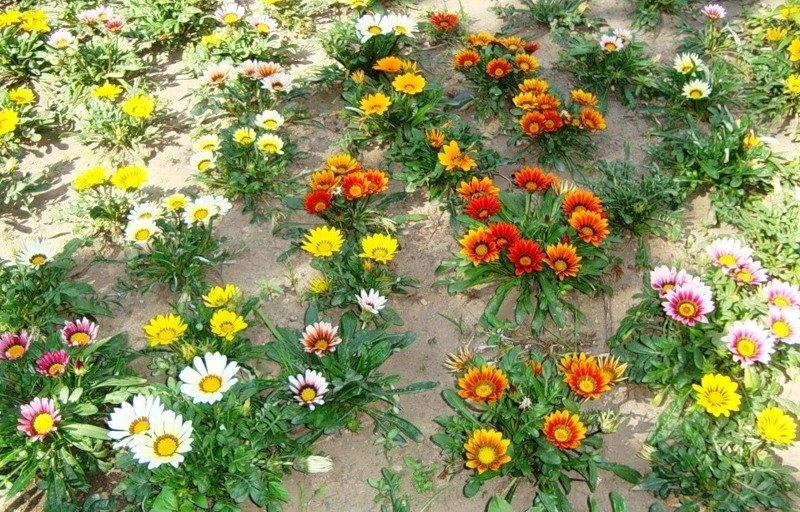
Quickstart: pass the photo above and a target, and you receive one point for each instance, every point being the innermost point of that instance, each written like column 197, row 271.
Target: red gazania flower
column 579, row 200
column 534, row 179
column 531, row 47
column 445, row 21
column 552, row 121
column 377, row 181
column 564, row 260
column 478, row 246
column 354, row 186
column 526, row 255
column 504, row 234
column 466, row 59
column 477, row 187
column 317, row 201
column 498, row 68
column 592, row 228
column 532, row 124
column 483, row 207
column 587, row 380
column 564, row 430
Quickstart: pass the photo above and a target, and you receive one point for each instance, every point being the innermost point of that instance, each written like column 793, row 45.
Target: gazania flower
column 168, row 439
column 623, row 33
column 115, row 24
column 38, row 418
column 409, row 83
column 611, row 368
column 221, row 296
column 794, row 50
column 164, row 330
column 610, row 43
column 53, row 363
column 147, row 210
column 34, row 254
column 451, row 157
column 775, row 34
column 354, row 185
column 592, row 120
column 106, row 91
column 139, row 106
column 262, row 23
column 689, row 303
column 526, row 255
column 208, row 142
column 208, row 378
column 229, row 13
column 713, row 12
column 390, row 64
column 563, row 259
column 504, row 234
column 342, row 163
column 591, row 227
column 21, row 95
column 79, row 333
column 323, row 180
column 498, row 68
column 685, row 63
column 483, row 207
column 435, row 138
column 204, row 208
column 226, row 323
column 532, row 124
column 379, row 247
column 751, row 140
column 371, row 301
column 526, row 101
column 279, row 82
column 513, row 44
column 61, row 39
column 466, row 59
column 664, row 279
column 375, row 104
column 129, row 177
column 377, row 181
column 749, row 342
column 586, row 379
column 202, row 161
column 482, row 385
column 784, row 325
column 526, row 63
column 259, row 69
column 583, row 98
column 750, row 272
column 400, row 24
column 90, row 178
column 371, row 25
column 269, row 120
column 477, row 187
column 728, row 253
column 478, row 246
column 486, row 450
column 244, row 136
column 579, row 200
column 14, row 345
column 320, row 338
column 444, row 21
column 717, row 394
column 323, row 241
column 564, row 430
column 270, row 144
column 781, row 295
column 534, row 86
column 317, row 201
column 319, row 285
column 775, row 426
column 534, row 179
column 480, row 39
column 458, row 362
column 309, row 388
column 129, row 422
column 696, row 89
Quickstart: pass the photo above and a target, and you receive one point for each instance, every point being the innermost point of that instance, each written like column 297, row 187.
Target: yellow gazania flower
column 21, row 95
column 788, row 11
column 129, row 177
column 376, row 104
column 10, row 17
column 775, row 34
column 90, row 178
column 139, row 106
column 226, row 323
column 244, row 136
column 9, row 119
column 358, row 77
column 775, row 426
column 323, row 241
column 34, row 21
column 792, row 85
column 176, row 202
column 220, row 296
column 319, row 285
column 486, row 450
column 379, row 247
column 409, row 83
column 164, row 330
column 717, row 394
column 212, row 39
column 271, row 144
column 794, row 50
column 107, row 91
column 751, row 140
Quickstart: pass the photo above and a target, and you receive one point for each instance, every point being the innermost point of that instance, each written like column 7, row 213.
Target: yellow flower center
column 79, row 338
column 781, row 329
column 200, row 214
column 525, row 261
column 715, row 398
column 560, row 265
column 746, row 347
column 226, row 327
column 687, row 68
column 780, row 301
column 324, row 247
column 210, row 384
column 400, row 30
column 562, row 433
column 166, row 445
column 356, row 191
column 374, row 30
column 321, row 344
column 43, row 423
column 687, row 308
column 695, row 94
column 38, row 260
column 481, row 249
column 484, row 389
column 203, row 165
column 744, row 276
column 379, row 253
column 262, row 27
column 139, row 425
column 667, row 287
column 610, row 47
column 166, row 334
column 586, row 230
column 587, row 384
column 487, row 455
column 141, row 235
column 56, row 369
column 727, row 260
column 308, row 394
column 229, row 18
column 15, row 352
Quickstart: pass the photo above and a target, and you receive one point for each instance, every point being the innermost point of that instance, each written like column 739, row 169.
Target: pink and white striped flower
column 216, row 74
column 664, row 279
column 749, row 342
column 784, row 324
column 308, row 388
column 229, row 13
column 39, row 418
column 320, row 338
column 713, row 11
column 610, row 43
column 14, row 345
column 689, row 303
column 781, row 294
column 280, row 82
column 53, row 363
column 262, row 23
column 79, row 333
column 750, row 272
column 728, row 253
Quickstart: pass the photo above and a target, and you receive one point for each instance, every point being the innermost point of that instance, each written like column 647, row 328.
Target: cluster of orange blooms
column 342, row 174
column 589, row 376
column 542, row 114
column 498, row 67
column 581, row 207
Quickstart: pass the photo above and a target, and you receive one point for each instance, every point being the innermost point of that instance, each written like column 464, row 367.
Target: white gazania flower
column 148, row 210
column 401, row 24
column 168, row 438
column 202, row 161
column 271, row 144
column 89, row 16
column 215, row 74
column 610, row 43
column 208, row 142
column 280, row 82
column 229, row 13
column 34, row 254
column 370, row 25
column 269, row 120
column 61, row 39
column 222, row 204
column 201, row 210
column 262, row 23
column 696, row 90
column 685, row 63
column 624, row 34
column 130, row 421
column 208, row 378
column 371, row 301
column 308, row 388
column 141, row 231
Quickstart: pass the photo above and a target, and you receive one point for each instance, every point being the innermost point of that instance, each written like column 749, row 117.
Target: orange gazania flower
column 445, row 21
column 583, row 98
column 592, row 120
column 513, row 43
column 409, row 66
column 483, row 207
column 482, row 385
column 466, row 59
column 563, row 259
column 526, row 101
column 592, row 228
column 435, row 138
column 579, row 200
column 342, row 163
column 477, row 187
column 375, row 104
column 587, row 380
column 531, row 46
column 479, row 247
column 526, row 63
column 486, row 449
column 323, row 180
column 390, row 64
column 526, row 255
column 534, row 85
column 354, row 185
column 480, row 39
column 451, row 158
column 570, row 361
column 534, row 179
column 317, row 201
column 498, row 68
column 612, row 369
column 409, row 83
column 564, row 430
column 504, row 234
column 532, row 124
column 377, row 181
column 552, row 121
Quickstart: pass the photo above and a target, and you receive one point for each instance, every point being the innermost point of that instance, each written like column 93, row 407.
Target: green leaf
column 166, row 501
column 498, row 504
column 82, row 430
column 627, row 473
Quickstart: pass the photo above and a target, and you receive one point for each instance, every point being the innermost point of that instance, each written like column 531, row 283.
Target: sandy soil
column 425, row 311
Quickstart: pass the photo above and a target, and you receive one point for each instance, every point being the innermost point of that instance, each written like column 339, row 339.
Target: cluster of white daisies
column 201, row 210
